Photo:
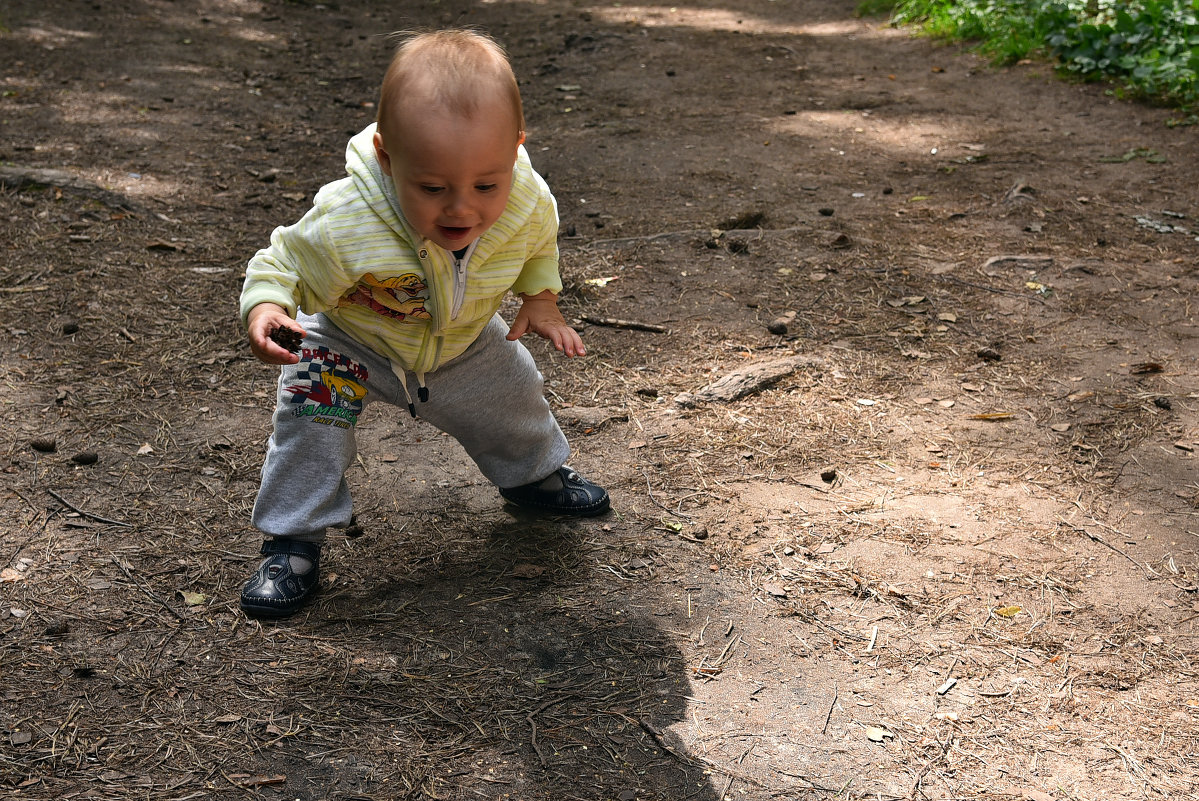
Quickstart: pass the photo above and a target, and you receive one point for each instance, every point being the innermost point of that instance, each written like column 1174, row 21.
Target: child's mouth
column 453, row 232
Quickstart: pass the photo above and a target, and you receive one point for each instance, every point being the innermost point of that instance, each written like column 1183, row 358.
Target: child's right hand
column 262, row 320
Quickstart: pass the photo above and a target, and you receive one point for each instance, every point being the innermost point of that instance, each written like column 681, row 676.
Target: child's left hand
column 539, row 314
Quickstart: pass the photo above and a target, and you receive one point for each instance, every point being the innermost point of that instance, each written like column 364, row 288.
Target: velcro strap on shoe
column 308, row 550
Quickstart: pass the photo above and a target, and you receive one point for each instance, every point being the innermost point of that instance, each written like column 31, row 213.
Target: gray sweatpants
column 490, row 399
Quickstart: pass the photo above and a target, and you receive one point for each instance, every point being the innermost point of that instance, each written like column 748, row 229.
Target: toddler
column 393, row 281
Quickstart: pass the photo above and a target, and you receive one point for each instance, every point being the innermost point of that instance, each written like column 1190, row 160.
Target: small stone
column 1163, row 403
column 826, row 212
column 69, row 328
column 828, row 476
column 778, row 326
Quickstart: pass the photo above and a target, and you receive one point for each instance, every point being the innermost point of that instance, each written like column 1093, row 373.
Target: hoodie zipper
column 460, row 280
column 459, row 297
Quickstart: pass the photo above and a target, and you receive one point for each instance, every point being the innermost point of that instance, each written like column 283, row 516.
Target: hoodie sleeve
column 298, row 270
column 540, row 271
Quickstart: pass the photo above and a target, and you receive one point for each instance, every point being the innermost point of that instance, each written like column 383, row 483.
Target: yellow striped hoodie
column 354, row 257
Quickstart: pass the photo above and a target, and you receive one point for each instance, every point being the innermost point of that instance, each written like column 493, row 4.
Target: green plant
column 874, row 8
column 1148, row 48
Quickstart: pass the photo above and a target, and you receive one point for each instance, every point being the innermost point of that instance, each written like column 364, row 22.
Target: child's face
column 452, row 174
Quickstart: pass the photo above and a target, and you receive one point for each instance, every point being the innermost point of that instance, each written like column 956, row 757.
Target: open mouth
column 453, row 232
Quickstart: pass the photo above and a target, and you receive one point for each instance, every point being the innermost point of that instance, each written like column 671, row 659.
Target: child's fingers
column 520, row 327
column 569, row 342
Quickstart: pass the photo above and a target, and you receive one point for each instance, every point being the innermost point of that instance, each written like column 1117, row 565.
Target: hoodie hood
column 375, row 186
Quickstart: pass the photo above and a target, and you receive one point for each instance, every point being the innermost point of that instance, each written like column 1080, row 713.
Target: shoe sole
column 585, row 511
column 272, row 612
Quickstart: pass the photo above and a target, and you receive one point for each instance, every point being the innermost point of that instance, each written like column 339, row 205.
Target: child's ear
column 381, row 153
column 520, row 139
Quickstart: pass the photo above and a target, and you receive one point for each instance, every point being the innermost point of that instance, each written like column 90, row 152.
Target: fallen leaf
column 227, row 719
column 8, row 574
column 877, row 735
column 1008, row 611
column 775, row 590
column 1083, row 395
column 145, row 449
column 637, row 443
column 1060, row 427
column 192, row 598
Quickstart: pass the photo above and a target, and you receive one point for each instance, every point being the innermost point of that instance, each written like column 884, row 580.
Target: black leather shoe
column 562, row 492
column 275, row 590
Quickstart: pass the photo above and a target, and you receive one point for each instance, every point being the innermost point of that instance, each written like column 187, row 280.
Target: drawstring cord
column 422, row 392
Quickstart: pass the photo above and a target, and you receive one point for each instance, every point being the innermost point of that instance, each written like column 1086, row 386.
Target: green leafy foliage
column 1147, row 48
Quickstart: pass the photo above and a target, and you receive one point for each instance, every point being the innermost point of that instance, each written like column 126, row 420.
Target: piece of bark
column 747, row 380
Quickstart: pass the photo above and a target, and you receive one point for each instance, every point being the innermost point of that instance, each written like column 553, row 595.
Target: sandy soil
column 940, row 542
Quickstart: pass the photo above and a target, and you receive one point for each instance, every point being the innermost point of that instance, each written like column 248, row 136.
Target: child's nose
column 457, row 204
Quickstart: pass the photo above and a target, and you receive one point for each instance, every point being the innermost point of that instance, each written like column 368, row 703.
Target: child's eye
column 432, row 190
column 485, row 187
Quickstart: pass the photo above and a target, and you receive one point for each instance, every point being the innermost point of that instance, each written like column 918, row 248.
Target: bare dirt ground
column 948, row 550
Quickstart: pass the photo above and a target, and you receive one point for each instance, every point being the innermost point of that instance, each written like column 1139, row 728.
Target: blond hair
column 459, row 69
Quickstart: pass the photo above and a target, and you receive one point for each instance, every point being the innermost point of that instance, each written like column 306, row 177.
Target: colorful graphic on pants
column 328, row 389
column 399, row 297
